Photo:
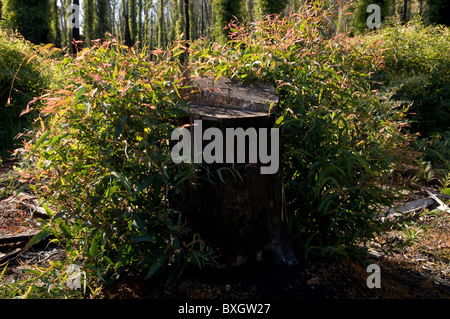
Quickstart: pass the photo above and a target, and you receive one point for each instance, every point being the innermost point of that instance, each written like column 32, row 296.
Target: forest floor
column 414, row 263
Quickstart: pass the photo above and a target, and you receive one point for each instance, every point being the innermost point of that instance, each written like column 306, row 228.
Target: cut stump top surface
column 225, row 98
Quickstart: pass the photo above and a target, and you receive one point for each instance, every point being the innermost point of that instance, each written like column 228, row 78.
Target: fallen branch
column 9, row 255
column 442, row 206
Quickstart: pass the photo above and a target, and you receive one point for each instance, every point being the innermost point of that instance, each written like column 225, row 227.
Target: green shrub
column 416, row 70
column 101, row 158
column 360, row 14
column 339, row 137
column 29, row 17
column 25, row 72
column 436, row 151
column 101, row 153
column 438, row 11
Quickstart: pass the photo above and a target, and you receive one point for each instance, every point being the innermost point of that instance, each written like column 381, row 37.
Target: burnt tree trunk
column 404, row 11
column 233, row 205
column 75, row 33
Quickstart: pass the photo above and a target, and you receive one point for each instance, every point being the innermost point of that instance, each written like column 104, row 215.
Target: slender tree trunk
column 161, row 25
column 112, row 17
column 205, row 3
column 146, row 22
column 188, row 25
column 55, row 22
column 126, row 27
column 139, row 27
column 151, row 30
column 102, row 18
column 193, row 24
column 250, row 9
column 187, row 30
column 74, row 33
column 132, row 15
column 404, row 11
column 63, row 23
column 127, row 35
column 88, row 19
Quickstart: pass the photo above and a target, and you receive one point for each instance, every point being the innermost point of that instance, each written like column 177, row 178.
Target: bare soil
column 414, row 263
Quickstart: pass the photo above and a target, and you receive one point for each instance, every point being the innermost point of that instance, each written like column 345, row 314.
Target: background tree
column 124, row 25
column 74, row 32
column 30, row 17
column 405, row 11
column 162, row 35
column 88, row 19
column 438, row 11
column 264, row 7
column 360, row 15
column 160, row 22
column 140, row 8
column 103, row 23
column 225, row 11
column 148, row 23
column 56, row 30
column 187, row 22
column 114, row 11
column 132, row 19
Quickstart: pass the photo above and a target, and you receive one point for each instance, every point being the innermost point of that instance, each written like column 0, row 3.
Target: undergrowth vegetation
column 340, row 137
column 416, row 74
column 99, row 156
column 25, row 72
column 416, row 70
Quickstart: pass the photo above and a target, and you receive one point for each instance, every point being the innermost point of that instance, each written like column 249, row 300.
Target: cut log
column 225, row 95
column 20, row 237
column 243, row 211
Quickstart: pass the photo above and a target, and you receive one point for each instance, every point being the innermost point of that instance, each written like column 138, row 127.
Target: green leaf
column 79, row 93
column 446, row 191
column 139, row 223
column 24, row 187
column 145, row 183
column 220, row 73
column 65, row 229
column 326, row 202
column 219, row 172
column 41, row 139
column 195, row 253
column 279, row 120
column 33, row 272
column 123, row 180
column 155, row 266
column 95, row 244
column 363, row 163
column 37, row 238
column 143, row 238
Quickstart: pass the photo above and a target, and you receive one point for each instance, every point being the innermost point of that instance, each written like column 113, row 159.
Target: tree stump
column 243, row 211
